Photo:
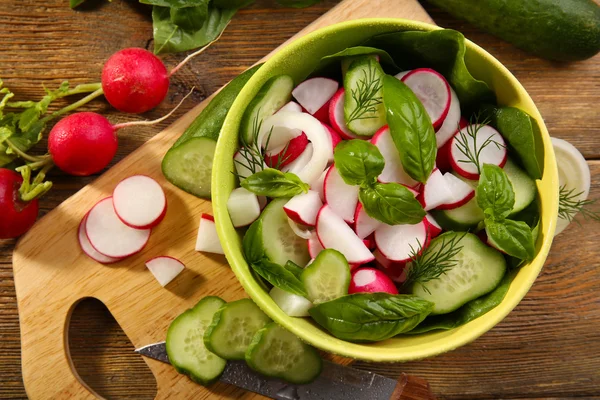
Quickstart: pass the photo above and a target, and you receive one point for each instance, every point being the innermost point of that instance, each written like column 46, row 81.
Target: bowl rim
column 357, row 350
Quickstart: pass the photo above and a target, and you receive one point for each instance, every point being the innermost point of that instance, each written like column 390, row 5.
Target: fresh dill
column 466, row 141
column 569, row 204
column 365, row 96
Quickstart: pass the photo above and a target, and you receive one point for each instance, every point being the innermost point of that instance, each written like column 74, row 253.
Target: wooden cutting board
column 52, row 274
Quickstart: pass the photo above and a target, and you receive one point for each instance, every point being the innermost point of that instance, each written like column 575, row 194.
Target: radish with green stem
column 17, row 215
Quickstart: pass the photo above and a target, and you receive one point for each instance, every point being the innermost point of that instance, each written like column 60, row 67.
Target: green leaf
column 298, row 3
column 252, row 244
column 411, row 129
column 391, row 203
column 190, row 18
column 175, row 3
column 358, row 162
column 237, row 4
column 350, row 52
column 279, row 276
column 512, row 237
column 370, row 317
column 494, row 193
column 294, row 268
column 274, row 183
column 75, row 3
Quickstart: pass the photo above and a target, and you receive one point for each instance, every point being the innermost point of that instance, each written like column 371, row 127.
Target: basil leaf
column 273, row 183
column 252, row 244
column 512, row 237
column 391, row 203
column 298, row 3
column 294, row 268
column 175, row 3
column 358, row 162
column 410, row 128
column 190, row 18
column 494, row 193
column 75, row 3
column 232, row 3
column 279, row 276
column 370, row 317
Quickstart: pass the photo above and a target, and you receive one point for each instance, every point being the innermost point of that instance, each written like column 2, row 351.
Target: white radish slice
column 290, row 106
column 208, row 239
column 314, row 246
column 335, row 234
column 109, row 235
column 243, row 207
column 87, row 248
column 396, row 271
column 287, row 153
column 337, row 117
column 433, row 90
column 335, row 139
column 299, row 231
column 371, row 280
column 301, row 162
column 313, row 93
column 402, row 74
column 436, row 191
column 573, row 174
column 364, row 225
column 433, row 228
column 243, row 165
column 461, row 192
column 399, row 242
column 451, row 123
column 340, row 196
column 303, row 208
column 165, row 268
column 318, row 186
column 486, row 141
column 392, row 170
column 291, row 304
column 139, row 202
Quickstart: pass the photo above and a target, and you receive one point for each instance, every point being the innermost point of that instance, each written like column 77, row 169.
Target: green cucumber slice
column 185, row 344
column 523, row 186
column 277, row 353
column 327, row 277
column 233, row 327
column 462, row 218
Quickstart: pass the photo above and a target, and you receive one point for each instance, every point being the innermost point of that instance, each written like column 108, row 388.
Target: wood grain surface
column 548, row 347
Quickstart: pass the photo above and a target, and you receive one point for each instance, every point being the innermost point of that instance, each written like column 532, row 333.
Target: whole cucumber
column 561, row 30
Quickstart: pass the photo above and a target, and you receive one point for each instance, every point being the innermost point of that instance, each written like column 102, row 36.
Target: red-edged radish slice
column 139, row 202
column 291, row 106
column 303, row 208
column 396, row 271
column 461, row 192
column 313, row 93
column 436, row 191
column 323, row 113
column 433, row 228
column 402, row 74
column 370, row 242
column 487, row 141
column 314, row 246
column 207, row 239
column 434, row 92
column 87, row 247
column 363, row 224
column 335, row 139
column 242, row 165
column 371, row 280
column 301, row 162
column 452, row 122
column 165, row 268
column 340, row 196
column 335, row 234
column 337, row 118
column 392, row 170
column 287, row 153
column 319, row 185
column 243, row 207
column 442, row 160
column 109, row 235
column 399, row 242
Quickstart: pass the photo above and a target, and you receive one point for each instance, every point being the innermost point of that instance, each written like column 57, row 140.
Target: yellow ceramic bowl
column 297, row 60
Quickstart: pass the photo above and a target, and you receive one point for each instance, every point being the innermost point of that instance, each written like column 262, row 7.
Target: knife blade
column 335, row 382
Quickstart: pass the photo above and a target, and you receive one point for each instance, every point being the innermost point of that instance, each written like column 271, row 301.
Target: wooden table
column 548, row 347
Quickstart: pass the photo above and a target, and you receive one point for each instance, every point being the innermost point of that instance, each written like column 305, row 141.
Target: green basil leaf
column 358, row 161
column 232, row 3
column 273, row 183
column 512, row 237
column 279, row 276
column 190, row 18
column 391, row 203
column 298, row 3
column 75, row 3
column 252, row 244
column 494, row 193
column 411, row 129
column 294, row 268
column 370, row 317
column 175, row 3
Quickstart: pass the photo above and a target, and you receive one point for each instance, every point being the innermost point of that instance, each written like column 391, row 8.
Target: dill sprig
column 365, row 96
column 569, row 205
column 433, row 262
column 473, row 153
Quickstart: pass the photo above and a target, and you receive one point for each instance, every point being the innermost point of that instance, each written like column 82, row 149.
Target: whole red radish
column 371, row 280
column 16, row 216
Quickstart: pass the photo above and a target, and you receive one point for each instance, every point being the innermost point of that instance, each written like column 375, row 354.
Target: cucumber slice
column 278, row 353
column 462, row 218
column 271, row 97
column 233, row 328
column 189, row 165
column 291, row 304
column 363, row 105
column 185, row 346
column 478, row 270
column 327, row 277
column 523, row 186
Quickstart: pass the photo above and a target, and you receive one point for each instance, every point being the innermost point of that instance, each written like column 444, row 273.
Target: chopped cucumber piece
column 233, row 327
column 523, row 186
column 277, row 353
column 291, row 304
column 327, row 277
column 185, row 346
column 461, row 218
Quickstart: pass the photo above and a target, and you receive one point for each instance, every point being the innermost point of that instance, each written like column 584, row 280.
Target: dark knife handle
column 410, row 387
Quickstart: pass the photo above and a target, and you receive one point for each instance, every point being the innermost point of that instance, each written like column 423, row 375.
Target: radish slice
column 300, row 232
column 303, row 208
column 242, row 165
column 87, row 247
column 340, row 196
column 335, row 234
column 396, row 271
column 139, row 202
column 433, row 228
column 451, row 123
column 313, row 93
column 287, row 153
column 319, row 185
column 335, row 139
column 371, row 280
column 364, row 225
column 434, row 92
column 301, row 162
column 400, row 242
column 243, row 207
column 337, row 118
column 436, row 191
column 392, row 170
column 493, row 153
column 323, row 113
column 290, row 106
column 402, row 74
column 461, row 192
column 109, row 235
column 573, row 174
column 314, row 246
column 165, row 268
column 207, row 239
column 291, row 304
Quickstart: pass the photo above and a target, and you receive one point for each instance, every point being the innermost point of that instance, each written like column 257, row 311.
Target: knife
column 335, row 382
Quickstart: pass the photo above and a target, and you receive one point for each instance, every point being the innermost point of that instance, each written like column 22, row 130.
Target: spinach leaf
column 75, row 3
column 273, row 183
column 494, row 193
column 294, row 268
column 512, row 237
column 358, row 162
column 298, row 3
column 443, row 50
column 391, row 203
column 335, row 58
column 175, row 3
column 232, row 3
column 279, row 276
column 252, row 244
column 190, row 18
column 370, row 317
column 411, row 129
